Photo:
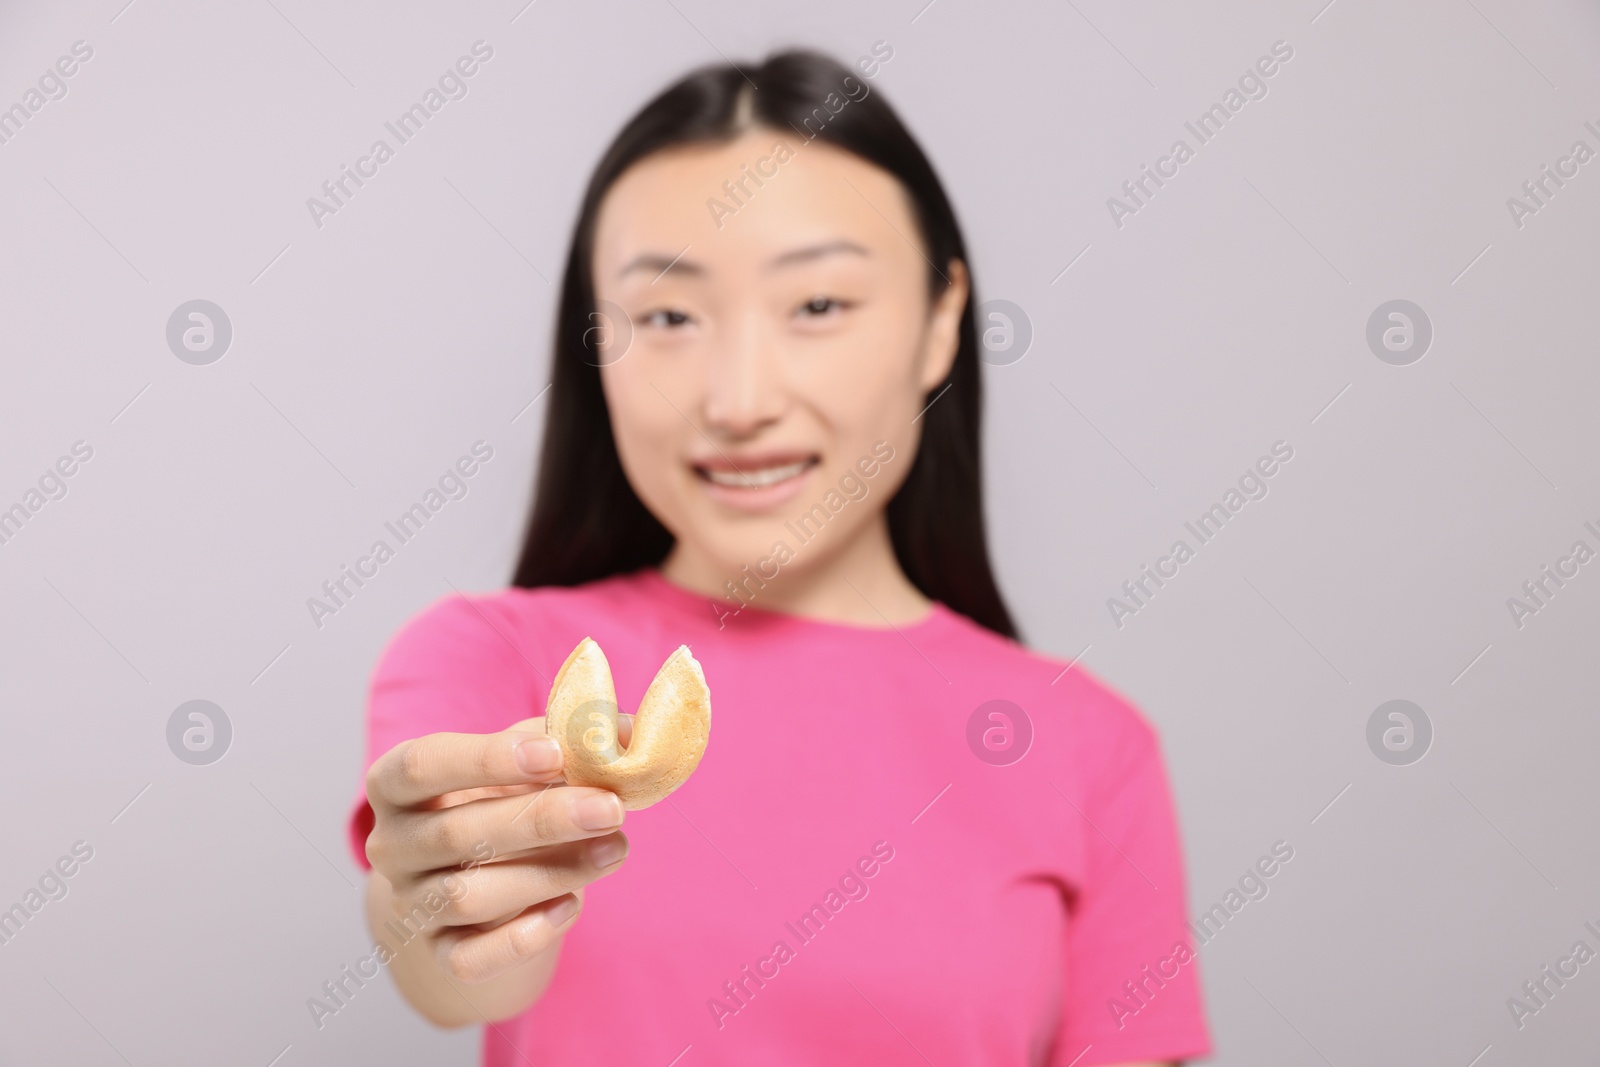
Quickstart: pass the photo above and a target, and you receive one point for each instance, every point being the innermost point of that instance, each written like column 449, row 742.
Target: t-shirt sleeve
column 461, row 665
column 1133, row 986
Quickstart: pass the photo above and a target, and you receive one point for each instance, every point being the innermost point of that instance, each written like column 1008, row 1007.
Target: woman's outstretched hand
column 480, row 853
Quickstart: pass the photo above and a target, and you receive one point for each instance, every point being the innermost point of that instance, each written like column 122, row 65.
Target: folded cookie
column 670, row 730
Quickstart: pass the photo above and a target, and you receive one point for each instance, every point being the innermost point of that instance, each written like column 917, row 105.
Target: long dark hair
column 588, row 523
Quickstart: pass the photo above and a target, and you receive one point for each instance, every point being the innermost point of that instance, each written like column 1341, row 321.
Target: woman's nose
column 745, row 387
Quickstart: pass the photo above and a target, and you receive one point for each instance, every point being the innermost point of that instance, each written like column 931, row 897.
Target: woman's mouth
column 755, row 483
column 759, row 478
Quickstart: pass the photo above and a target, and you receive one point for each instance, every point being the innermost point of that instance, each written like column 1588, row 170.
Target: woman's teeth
column 757, row 479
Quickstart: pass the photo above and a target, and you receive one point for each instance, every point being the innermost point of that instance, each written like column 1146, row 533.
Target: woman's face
column 782, row 345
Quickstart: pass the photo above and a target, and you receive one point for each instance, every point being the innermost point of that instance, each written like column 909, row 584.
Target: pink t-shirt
column 843, row 880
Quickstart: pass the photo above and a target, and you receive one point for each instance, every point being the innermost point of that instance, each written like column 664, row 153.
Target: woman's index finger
column 435, row 764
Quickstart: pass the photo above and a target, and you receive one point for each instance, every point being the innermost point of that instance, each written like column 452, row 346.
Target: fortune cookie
column 670, row 730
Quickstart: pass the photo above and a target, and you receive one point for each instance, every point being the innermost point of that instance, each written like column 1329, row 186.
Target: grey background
column 1226, row 315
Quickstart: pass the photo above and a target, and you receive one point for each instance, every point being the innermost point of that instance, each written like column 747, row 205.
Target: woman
column 762, row 442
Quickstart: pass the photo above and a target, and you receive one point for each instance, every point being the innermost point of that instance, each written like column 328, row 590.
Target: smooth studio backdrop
column 1175, row 340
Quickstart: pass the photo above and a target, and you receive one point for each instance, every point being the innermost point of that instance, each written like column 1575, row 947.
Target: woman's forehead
column 748, row 203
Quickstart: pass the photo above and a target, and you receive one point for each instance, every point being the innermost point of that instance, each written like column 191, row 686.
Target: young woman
column 762, row 442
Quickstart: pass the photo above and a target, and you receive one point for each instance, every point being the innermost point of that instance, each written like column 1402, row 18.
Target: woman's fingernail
column 561, row 911
column 538, row 755
column 601, row 811
column 608, row 851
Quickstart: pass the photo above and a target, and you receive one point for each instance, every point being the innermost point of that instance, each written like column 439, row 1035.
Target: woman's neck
column 860, row 583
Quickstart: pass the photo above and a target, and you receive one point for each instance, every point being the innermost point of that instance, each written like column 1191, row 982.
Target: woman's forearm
column 436, row 995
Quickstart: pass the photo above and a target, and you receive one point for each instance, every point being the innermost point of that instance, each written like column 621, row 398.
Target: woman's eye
column 666, row 317
column 822, row 306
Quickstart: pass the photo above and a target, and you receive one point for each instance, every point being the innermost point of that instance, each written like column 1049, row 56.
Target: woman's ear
column 943, row 338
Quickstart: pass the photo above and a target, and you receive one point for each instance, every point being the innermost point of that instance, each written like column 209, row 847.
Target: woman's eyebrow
column 805, row 255
column 659, row 264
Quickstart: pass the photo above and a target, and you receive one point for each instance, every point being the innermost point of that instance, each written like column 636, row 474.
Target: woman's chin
column 757, row 557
